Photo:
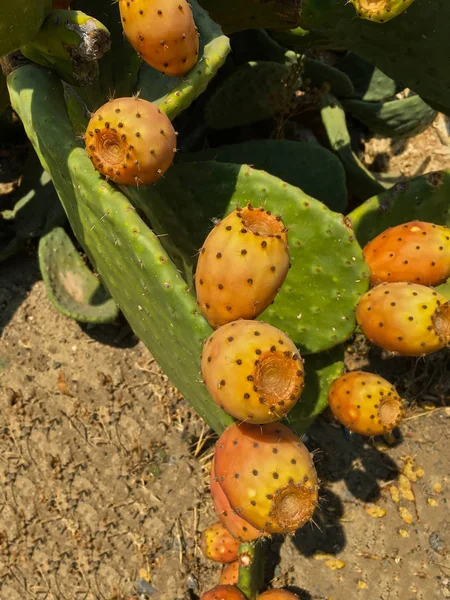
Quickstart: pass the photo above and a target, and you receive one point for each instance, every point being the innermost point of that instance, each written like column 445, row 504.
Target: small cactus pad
column 405, row 318
column 417, row 252
column 278, row 595
column 224, row 592
column 236, row 525
column 365, row 403
column 380, row 11
column 268, row 476
column 230, row 574
column 242, row 265
column 162, row 32
column 253, row 371
column 218, row 544
column 130, row 141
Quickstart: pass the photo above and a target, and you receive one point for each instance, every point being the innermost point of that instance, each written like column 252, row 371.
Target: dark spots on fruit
column 433, row 264
column 255, row 472
column 243, row 230
column 228, row 308
column 250, row 281
column 246, row 396
column 256, row 363
column 97, row 130
column 274, row 450
column 400, row 338
column 252, row 502
column 206, row 305
column 250, row 378
column 293, row 461
column 256, row 445
column 263, row 244
column 275, row 475
column 424, row 306
column 141, row 38
column 141, row 12
column 228, row 227
column 236, row 475
column 417, row 247
column 381, row 324
column 220, row 286
column 235, row 442
column 209, row 359
column 222, row 382
column 393, row 303
column 160, row 12
column 166, row 64
column 200, row 281
column 256, row 333
column 273, row 348
column 369, row 395
column 273, row 268
column 219, row 255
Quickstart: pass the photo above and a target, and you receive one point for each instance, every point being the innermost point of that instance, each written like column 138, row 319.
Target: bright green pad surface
column 426, row 198
column 312, row 168
column 72, row 288
column 317, row 302
column 20, row 21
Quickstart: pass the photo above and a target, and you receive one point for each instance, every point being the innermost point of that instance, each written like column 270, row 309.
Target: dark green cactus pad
column 71, row 43
column 444, row 289
column 413, row 48
column 371, row 84
column 175, row 94
column 302, row 40
column 20, row 22
column 308, row 166
column 71, row 287
column 398, row 118
column 133, row 265
column 4, row 96
column 426, row 198
column 360, row 181
column 316, row 304
column 320, row 372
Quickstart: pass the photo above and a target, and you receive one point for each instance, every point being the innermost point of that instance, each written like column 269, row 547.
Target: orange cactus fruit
column 163, row 32
column 253, row 371
column 238, row 527
column 365, row 403
column 242, row 265
column 405, row 318
column 417, row 252
column 230, row 574
column 130, row 141
column 267, row 475
column 218, row 544
column 224, row 592
column 278, row 595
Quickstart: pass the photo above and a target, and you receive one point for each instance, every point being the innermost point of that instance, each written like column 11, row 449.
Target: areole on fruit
column 253, row 371
column 130, row 141
column 242, row 265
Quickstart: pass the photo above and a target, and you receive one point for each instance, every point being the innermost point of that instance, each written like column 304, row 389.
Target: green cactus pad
column 70, row 42
column 380, row 11
column 301, row 40
column 398, row 118
column 71, row 287
column 175, row 94
column 426, row 198
column 413, row 48
column 312, row 168
column 20, row 21
column 320, row 372
column 316, row 304
column 133, row 265
column 444, row 289
column 4, row 96
column 359, row 180
column 370, row 84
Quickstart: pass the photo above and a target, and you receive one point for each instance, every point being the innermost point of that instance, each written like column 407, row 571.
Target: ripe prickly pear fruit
column 224, row 592
column 230, row 574
column 417, row 252
column 238, row 527
column 268, row 476
column 130, row 141
column 278, row 595
column 365, row 403
column 380, row 11
column 406, row 318
column 241, row 266
column 253, row 371
column 218, row 544
column 162, row 32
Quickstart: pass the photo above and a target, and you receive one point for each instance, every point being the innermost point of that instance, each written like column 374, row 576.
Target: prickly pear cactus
column 20, row 22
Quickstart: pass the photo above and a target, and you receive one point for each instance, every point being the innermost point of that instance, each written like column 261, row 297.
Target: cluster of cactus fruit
column 282, row 279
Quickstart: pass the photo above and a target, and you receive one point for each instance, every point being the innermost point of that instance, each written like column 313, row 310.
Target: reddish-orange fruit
column 242, row 265
column 278, row 595
column 417, row 252
column 218, row 544
column 230, row 574
column 267, row 475
column 130, row 141
column 365, row 403
column 163, row 32
column 406, row 318
column 253, row 371
column 224, row 592
column 61, row 4
column 238, row 527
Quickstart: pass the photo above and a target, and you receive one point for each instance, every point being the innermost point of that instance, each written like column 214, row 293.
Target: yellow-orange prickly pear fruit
column 230, row 574
column 365, row 403
column 406, row 318
column 162, row 32
column 130, row 141
column 417, row 252
column 242, row 265
column 253, row 371
column 278, row 595
column 218, row 544
column 267, row 475
column 238, row 527
column 224, row 592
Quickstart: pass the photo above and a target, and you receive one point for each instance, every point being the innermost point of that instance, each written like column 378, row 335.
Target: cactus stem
column 251, row 568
